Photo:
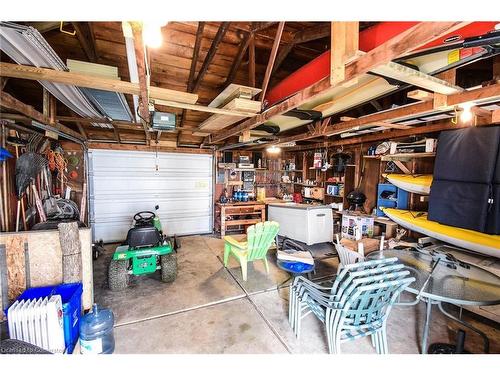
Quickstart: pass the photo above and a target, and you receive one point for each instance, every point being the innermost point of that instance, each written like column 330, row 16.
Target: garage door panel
column 152, row 185
column 126, row 182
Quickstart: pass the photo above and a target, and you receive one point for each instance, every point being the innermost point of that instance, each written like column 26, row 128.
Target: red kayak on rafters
column 470, row 43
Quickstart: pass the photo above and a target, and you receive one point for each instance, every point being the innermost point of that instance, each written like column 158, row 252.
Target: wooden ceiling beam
column 192, row 69
column 344, row 46
column 251, row 61
column 11, row 103
column 93, row 82
column 143, row 78
column 85, row 36
column 196, row 52
column 44, row 27
column 272, row 58
column 238, row 59
column 137, row 147
column 312, row 33
column 400, row 45
column 260, row 26
column 210, row 54
column 81, row 129
column 392, row 134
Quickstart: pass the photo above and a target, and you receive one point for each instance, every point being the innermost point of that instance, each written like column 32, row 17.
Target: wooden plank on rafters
column 90, row 81
column 85, row 36
column 272, row 58
column 398, row 46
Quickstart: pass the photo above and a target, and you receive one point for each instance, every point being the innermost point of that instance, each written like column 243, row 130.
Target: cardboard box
column 349, row 221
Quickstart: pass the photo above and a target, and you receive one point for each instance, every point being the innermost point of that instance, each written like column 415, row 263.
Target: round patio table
column 441, row 278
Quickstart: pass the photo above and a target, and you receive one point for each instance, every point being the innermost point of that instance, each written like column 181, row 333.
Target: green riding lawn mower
column 145, row 251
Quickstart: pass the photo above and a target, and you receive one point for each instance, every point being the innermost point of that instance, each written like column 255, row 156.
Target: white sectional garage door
column 123, row 183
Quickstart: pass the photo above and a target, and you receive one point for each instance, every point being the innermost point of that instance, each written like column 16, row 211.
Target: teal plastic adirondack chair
column 259, row 239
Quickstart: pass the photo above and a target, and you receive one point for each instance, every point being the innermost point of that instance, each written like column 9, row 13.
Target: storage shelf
column 291, row 170
column 401, row 156
column 336, row 196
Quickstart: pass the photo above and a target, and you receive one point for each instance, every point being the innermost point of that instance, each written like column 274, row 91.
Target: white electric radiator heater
column 38, row 322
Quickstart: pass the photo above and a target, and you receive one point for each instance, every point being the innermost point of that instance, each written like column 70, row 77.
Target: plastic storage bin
column 96, row 332
column 399, row 201
column 71, row 295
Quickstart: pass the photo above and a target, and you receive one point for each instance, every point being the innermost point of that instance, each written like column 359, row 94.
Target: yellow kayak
column 413, row 183
column 488, row 244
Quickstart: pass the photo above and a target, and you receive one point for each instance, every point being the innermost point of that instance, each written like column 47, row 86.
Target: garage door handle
column 319, row 215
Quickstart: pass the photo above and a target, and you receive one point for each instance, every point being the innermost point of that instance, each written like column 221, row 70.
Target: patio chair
column 347, row 256
column 357, row 304
column 259, row 239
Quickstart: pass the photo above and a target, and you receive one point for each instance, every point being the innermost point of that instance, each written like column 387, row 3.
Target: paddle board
column 483, row 243
column 413, row 183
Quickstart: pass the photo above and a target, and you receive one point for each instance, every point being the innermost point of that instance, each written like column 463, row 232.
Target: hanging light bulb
column 273, row 149
column 151, row 33
column 466, row 114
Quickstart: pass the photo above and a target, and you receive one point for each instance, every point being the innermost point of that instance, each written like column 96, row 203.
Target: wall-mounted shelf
column 401, row 156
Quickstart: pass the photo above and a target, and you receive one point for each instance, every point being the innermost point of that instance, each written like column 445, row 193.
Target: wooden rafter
column 400, row 45
column 302, row 36
column 3, row 82
column 143, row 78
column 245, row 41
column 251, row 61
column 196, row 51
column 11, row 103
column 210, row 54
column 192, row 69
column 81, row 129
column 272, row 58
column 85, row 36
column 260, row 26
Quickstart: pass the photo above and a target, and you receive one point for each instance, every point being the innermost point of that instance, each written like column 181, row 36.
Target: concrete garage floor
column 210, row 309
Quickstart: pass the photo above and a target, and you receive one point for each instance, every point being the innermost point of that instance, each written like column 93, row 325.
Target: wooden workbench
column 238, row 214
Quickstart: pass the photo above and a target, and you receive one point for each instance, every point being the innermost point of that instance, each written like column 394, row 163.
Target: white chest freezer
column 302, row 222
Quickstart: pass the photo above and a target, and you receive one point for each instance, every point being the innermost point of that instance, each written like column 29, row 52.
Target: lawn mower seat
column 143, row 236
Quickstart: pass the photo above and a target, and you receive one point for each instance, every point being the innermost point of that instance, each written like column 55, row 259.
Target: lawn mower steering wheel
column 141, row 218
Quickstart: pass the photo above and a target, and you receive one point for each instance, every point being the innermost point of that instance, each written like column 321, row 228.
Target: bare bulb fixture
column 273, row 149
column 151, row 33
column 466, row 114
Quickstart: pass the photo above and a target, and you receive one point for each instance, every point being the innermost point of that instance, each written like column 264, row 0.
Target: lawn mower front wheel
column 118, row 277
column 168, row 265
